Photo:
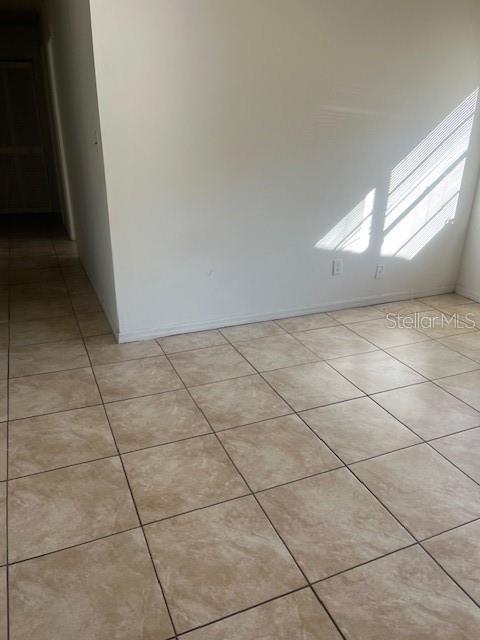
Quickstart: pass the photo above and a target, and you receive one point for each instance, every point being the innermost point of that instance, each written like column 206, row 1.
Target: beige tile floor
column 311, row 478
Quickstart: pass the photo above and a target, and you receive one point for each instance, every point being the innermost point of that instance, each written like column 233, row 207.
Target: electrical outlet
column 337, row 266
column 379, row 271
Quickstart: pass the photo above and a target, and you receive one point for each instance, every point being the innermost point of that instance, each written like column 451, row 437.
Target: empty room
column 239, row 319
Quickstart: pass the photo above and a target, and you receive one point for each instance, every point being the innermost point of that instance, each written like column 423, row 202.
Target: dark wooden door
column 25, row 185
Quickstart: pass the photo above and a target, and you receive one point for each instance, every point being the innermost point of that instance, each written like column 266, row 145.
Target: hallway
column 282, row 464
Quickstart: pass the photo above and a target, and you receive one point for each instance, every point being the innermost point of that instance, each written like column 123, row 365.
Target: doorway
column 28, row 181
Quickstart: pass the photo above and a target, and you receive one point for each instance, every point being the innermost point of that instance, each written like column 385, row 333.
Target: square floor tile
column 104, row 349
column 21, row 276
column 307, row 322
column 428, row 410
column 458, row 551
column 357, row 314
column 277, row 451
column 275, row 352
column 85, row 302
column 153, row 420
column 334, row 342
column 57, row 440
column 376, row 371
column 93, row 324
column 445, row 300
column 36, row 331
column 33, row 262
column 4, row 339
column 211, row 364
column 39, row 308
column 296, row 616
column 32, row 247
column 243, row 332
column 463, row 449
column 40, row 291
column 98, row 591
column 470, row 314
column 3, row 364
column 179, row 477
column 233, row 403
column 70, row 270
column 220, row 560
column 387, row 332
column 80, row 284
column 3, row 604
column 3, row 451
column 464, row 386
column 424, row 491
column 467, row 344
column 194, row 340
column 49, row 392
column 358, row 429
column 403, row 596
column 433, row 360
column 331, row 522
column 136, row 378
column 311, row 385
column 403, row 307
column 26, row 360
column 438, row 324
column 3, row 400
column 3, row 523
column 62, row 508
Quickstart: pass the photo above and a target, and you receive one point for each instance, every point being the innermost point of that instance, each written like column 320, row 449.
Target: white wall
column 68, row 49
column 237, row 134
column 469, row 280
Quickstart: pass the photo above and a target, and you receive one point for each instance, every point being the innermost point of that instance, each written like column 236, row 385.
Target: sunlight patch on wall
column 352, row 233
column 425, row 218
column 425, row 186
column 423, row 193
column 418, row 155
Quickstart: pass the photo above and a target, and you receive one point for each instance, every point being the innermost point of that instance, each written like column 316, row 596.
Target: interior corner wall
column 70, row 64
column 469, row 279
column 244, row 142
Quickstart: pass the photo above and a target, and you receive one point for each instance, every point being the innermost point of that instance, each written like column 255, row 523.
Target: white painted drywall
column 469, row 280
column 68, row 44
column 238, row 133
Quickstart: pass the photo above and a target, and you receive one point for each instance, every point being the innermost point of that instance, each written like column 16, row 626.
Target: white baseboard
column 215, row 323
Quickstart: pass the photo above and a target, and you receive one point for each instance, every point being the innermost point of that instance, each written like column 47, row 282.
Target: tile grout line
column 7, row 568
column 246, row 375
column 214, row 432
column 418, row 542
column 427, row 379
column 210, row 433
column 348, row 468
column 259, row 373
column 331, row 450
column 73, row 546
column 373, row 494
column 127, row 479
column 317, row 359
column 428, row 442
column 240, row 611
column 264, row 512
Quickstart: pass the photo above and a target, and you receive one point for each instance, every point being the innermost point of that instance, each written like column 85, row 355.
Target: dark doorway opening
column 28, row 170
